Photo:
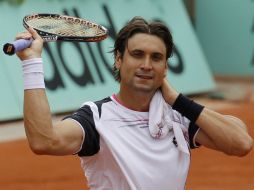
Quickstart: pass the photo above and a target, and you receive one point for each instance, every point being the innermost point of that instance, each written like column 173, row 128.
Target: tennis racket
column 54, row 27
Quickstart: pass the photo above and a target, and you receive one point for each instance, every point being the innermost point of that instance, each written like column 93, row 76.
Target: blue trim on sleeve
column 91, row 144
column 193, row 129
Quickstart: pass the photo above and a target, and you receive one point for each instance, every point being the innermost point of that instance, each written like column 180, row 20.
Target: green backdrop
column 78, row 72
column 226, row 31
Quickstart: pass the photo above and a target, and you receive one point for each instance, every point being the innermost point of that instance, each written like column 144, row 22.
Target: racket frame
column 18, row 45
column 49, row 37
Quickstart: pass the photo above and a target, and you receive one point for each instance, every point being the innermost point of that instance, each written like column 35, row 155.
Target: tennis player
column 140, row 137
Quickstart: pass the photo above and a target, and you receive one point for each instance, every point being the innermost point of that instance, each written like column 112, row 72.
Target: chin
column 144, row 88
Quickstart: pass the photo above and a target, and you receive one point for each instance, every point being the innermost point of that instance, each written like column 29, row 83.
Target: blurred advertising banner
column 78, row 72
column 226, row 31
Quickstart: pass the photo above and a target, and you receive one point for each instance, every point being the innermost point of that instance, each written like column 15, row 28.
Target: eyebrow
column 140, row 50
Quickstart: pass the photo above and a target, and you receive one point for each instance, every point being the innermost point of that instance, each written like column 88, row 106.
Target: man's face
column 144, row 64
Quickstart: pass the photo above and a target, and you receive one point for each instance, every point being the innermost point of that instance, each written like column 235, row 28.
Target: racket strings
column 65, row 27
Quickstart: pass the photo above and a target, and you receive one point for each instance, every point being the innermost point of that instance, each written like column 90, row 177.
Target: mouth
column 144, row 76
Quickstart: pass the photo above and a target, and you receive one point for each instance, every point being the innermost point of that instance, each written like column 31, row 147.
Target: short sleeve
column 91, row 144
column 193, row 130
column 190, row 129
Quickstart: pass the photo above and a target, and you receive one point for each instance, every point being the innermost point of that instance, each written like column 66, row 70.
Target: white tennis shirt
column 118, row 152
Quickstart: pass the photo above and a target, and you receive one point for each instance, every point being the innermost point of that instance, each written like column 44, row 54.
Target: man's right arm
column 64, row 137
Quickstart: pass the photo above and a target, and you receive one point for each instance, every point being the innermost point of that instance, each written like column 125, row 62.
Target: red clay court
column 22, row 170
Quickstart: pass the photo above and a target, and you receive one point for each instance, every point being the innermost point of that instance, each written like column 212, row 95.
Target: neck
column 137, row 101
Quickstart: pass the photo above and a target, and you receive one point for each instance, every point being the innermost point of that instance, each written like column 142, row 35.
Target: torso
column 129, row 158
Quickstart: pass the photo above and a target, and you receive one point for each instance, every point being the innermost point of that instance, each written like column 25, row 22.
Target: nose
column 146, row 64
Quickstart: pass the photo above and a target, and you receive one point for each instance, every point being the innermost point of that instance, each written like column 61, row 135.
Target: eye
column 157, row 57
column 137, row 53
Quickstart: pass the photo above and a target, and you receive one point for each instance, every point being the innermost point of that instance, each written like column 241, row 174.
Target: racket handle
column 18, row 45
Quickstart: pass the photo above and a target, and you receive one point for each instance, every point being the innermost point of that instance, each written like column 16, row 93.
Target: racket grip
column 18, row 45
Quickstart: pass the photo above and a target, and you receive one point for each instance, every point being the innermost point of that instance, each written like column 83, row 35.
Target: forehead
column 146, row 42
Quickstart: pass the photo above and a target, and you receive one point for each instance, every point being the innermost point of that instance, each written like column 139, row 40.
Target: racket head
column 53, row 27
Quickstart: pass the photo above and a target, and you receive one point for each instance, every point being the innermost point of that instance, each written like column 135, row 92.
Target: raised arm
column 224, row 133
column 63, row 138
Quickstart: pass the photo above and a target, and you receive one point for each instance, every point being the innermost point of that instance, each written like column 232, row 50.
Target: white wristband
column 33, row 74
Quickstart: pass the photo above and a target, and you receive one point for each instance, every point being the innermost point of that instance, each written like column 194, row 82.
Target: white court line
column 12, row 131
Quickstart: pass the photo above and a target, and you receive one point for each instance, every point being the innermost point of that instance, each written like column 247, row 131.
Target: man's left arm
column 224, row 133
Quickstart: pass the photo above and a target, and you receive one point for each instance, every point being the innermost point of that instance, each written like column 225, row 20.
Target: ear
column 118, row 60
column 166, row 69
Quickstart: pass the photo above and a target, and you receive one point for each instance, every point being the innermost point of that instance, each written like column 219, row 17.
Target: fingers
column 23, row 35
column 168, row 92
column 34, row 34
column 30, row 33
column 35, row 49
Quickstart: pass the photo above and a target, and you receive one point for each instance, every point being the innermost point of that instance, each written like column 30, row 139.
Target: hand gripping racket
column 54, row 27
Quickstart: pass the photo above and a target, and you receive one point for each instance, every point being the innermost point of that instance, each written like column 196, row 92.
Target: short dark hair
column 140, row 25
